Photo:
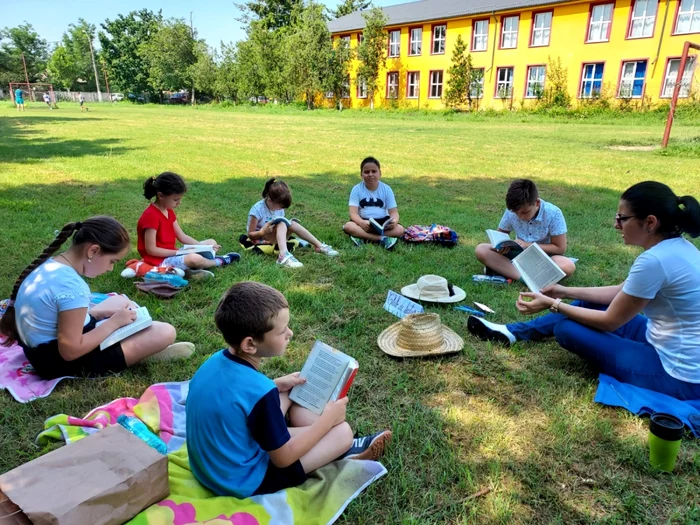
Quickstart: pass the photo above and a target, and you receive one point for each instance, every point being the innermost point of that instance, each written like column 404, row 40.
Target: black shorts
column 49, row 364
column 383, row 220
column 281, row 478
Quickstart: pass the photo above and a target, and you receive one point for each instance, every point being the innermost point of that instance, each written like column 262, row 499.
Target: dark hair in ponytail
column 167, row 183
column 103, row 231
column 369, row 160
column 676, row 215
column 278, row 192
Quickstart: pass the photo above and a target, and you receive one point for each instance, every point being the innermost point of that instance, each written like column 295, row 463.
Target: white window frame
column 504, row 83
column 627, row 80
column 645, row 20
column 509, row 31
column 480, row 36
column 415, row 46
column 346, row 38
column 592, row 80
column 600, row 23
column 360, row 38
column 392, row 75
column 361, row 88
column 440, row 40
column 689, row 9
column 686, row 79
column 480, row 84
column 394, row 43
column 413, row 86
column 436, row 86
column 541, row 31
column 539, row 79
column 345, row 92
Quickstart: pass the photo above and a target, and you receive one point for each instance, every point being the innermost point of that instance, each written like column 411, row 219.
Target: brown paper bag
column 105, row 478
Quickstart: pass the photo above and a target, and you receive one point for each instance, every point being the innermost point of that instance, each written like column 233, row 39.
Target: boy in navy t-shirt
column 237, row 436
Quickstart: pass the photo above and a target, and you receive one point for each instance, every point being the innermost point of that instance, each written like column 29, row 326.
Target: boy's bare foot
column 369, row 447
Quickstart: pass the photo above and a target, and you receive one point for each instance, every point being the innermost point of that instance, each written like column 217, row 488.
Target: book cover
column 500, row 240
column 143, row 320
column 277, row 220
column 204, row 250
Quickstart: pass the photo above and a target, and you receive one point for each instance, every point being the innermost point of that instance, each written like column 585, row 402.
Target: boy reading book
column 238, row 440
column 534, row 221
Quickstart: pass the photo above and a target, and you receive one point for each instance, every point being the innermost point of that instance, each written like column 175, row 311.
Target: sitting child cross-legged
column 372, row 199
column 534, row 221
column 276, row 197
column 237, row 437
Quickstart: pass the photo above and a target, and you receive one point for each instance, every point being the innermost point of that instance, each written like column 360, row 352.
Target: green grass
column 519, row 421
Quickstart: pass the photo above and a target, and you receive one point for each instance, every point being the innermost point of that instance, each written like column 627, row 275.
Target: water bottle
column 141, row 431
column 170, row 278
column 496, row 279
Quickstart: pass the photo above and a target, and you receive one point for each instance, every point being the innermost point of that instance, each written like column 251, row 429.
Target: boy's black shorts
column 281, row 478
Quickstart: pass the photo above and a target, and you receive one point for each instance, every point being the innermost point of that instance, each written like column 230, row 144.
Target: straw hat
column 419, row 335
column 433, row 288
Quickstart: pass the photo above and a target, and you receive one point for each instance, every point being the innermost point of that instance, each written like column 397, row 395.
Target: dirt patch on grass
column 634, row 148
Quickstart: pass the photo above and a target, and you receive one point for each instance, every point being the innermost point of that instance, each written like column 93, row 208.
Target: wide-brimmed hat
column 434, row 288
column 419, row 335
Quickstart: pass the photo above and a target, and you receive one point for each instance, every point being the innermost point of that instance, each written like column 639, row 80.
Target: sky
column 214, row 20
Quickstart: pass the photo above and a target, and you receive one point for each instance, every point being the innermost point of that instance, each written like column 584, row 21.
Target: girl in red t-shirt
column 158, row 230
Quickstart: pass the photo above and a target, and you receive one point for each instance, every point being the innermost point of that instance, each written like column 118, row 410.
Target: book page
column 323, row 370
column 400, row 306
column 537, row 269
column 143, row 320
column 496, row 237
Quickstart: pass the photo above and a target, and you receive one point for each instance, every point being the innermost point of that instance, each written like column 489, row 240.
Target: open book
column 277, row 220
column 537, row 269
column 379, row 228
column 329, row 374
column 500, row 240
column 143, row 320
column 205, row 250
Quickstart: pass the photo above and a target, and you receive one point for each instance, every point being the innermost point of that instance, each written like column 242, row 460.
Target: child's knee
column 345, row 435
column 347, row 227
column 165, row 332
column 567, row 265
column 482, row 251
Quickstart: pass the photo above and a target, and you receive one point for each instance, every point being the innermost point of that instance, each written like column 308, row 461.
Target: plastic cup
column 665, row 433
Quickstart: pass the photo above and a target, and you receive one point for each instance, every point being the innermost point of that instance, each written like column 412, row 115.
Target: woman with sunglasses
column 659, row 350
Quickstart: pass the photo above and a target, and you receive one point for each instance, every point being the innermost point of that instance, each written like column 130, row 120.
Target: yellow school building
column 625, row 51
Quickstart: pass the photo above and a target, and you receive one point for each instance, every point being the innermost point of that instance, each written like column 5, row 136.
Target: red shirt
column 153, row 218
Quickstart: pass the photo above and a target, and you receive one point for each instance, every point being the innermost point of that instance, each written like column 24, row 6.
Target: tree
column 18, row 41
column 120, row 42
column 271, row 14
column 204, row 71
column 308, row 46
column 459, row 80
column 350, row 6
column 225, row 83
column 372, row 51
column 70, row 66
column 337, row 77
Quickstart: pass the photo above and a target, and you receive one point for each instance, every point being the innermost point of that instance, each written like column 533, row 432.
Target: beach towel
column 320, row 500
column 645, row 402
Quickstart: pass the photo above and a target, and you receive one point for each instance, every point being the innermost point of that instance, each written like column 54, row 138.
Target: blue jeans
column 624, row 354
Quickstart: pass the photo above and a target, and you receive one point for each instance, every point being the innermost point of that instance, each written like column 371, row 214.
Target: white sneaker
column 289, row 261
column 328, row 250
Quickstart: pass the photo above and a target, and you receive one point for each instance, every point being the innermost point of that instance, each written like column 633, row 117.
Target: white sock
column 501, row 328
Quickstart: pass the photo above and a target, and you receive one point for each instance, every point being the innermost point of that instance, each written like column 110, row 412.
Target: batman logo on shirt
column 372, row 203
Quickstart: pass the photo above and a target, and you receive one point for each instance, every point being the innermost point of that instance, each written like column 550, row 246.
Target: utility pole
column 104, row 72
column 26, row 78
column 193, row 44
column 94, row 67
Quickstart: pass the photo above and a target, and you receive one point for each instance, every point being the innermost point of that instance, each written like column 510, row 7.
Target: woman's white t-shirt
column 668, row 274
column 51, row 288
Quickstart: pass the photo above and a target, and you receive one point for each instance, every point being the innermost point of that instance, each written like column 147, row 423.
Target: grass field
column 519, row 421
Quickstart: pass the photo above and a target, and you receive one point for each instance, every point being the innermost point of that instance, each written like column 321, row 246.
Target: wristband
column 555, row 306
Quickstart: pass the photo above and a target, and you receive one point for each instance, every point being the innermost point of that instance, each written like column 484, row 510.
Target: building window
column 416, row 41
column 632, row 79
column 346, row 39
column 672, row 75
column 480, row 38
column 642, row 18
column 509, row 34
column 345, row 93
column 541, row 29
column 688, row 17
column 504, row 82
column 535, row 81
column 435, row 84
column 360, row 38
column 600, row 22
column 412, row 84
column 361, row 88
column 392, row 84
column 394, row 43
column 591, row 80
column 476, row 88
column 439, row 38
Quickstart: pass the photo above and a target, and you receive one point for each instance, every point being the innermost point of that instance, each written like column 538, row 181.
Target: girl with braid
column 50, row 318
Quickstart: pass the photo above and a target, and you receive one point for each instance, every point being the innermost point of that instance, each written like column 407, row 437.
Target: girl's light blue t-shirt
column 51, row 288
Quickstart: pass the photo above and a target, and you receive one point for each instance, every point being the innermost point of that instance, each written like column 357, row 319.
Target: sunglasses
column 619, row 219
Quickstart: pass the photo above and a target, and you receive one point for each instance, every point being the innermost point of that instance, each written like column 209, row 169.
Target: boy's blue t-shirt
column 233, row 419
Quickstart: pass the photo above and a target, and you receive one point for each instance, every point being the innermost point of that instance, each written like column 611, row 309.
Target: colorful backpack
column 435, row 233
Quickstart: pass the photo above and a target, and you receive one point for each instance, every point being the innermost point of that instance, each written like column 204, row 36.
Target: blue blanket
column 645, row 402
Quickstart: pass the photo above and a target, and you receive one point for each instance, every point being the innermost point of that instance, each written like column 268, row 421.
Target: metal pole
column 94, row 67
column 104, row 72
column 26, row 79
column 676, row 92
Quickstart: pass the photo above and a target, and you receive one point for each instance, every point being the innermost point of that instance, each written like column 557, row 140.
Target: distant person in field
column 659, row 350
column 277, row 197
column 534, row 221
column 158, row 230
column 372, row 199
column 50, row 315
column 81, row 100
column 19, row 99
column 47, row 99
